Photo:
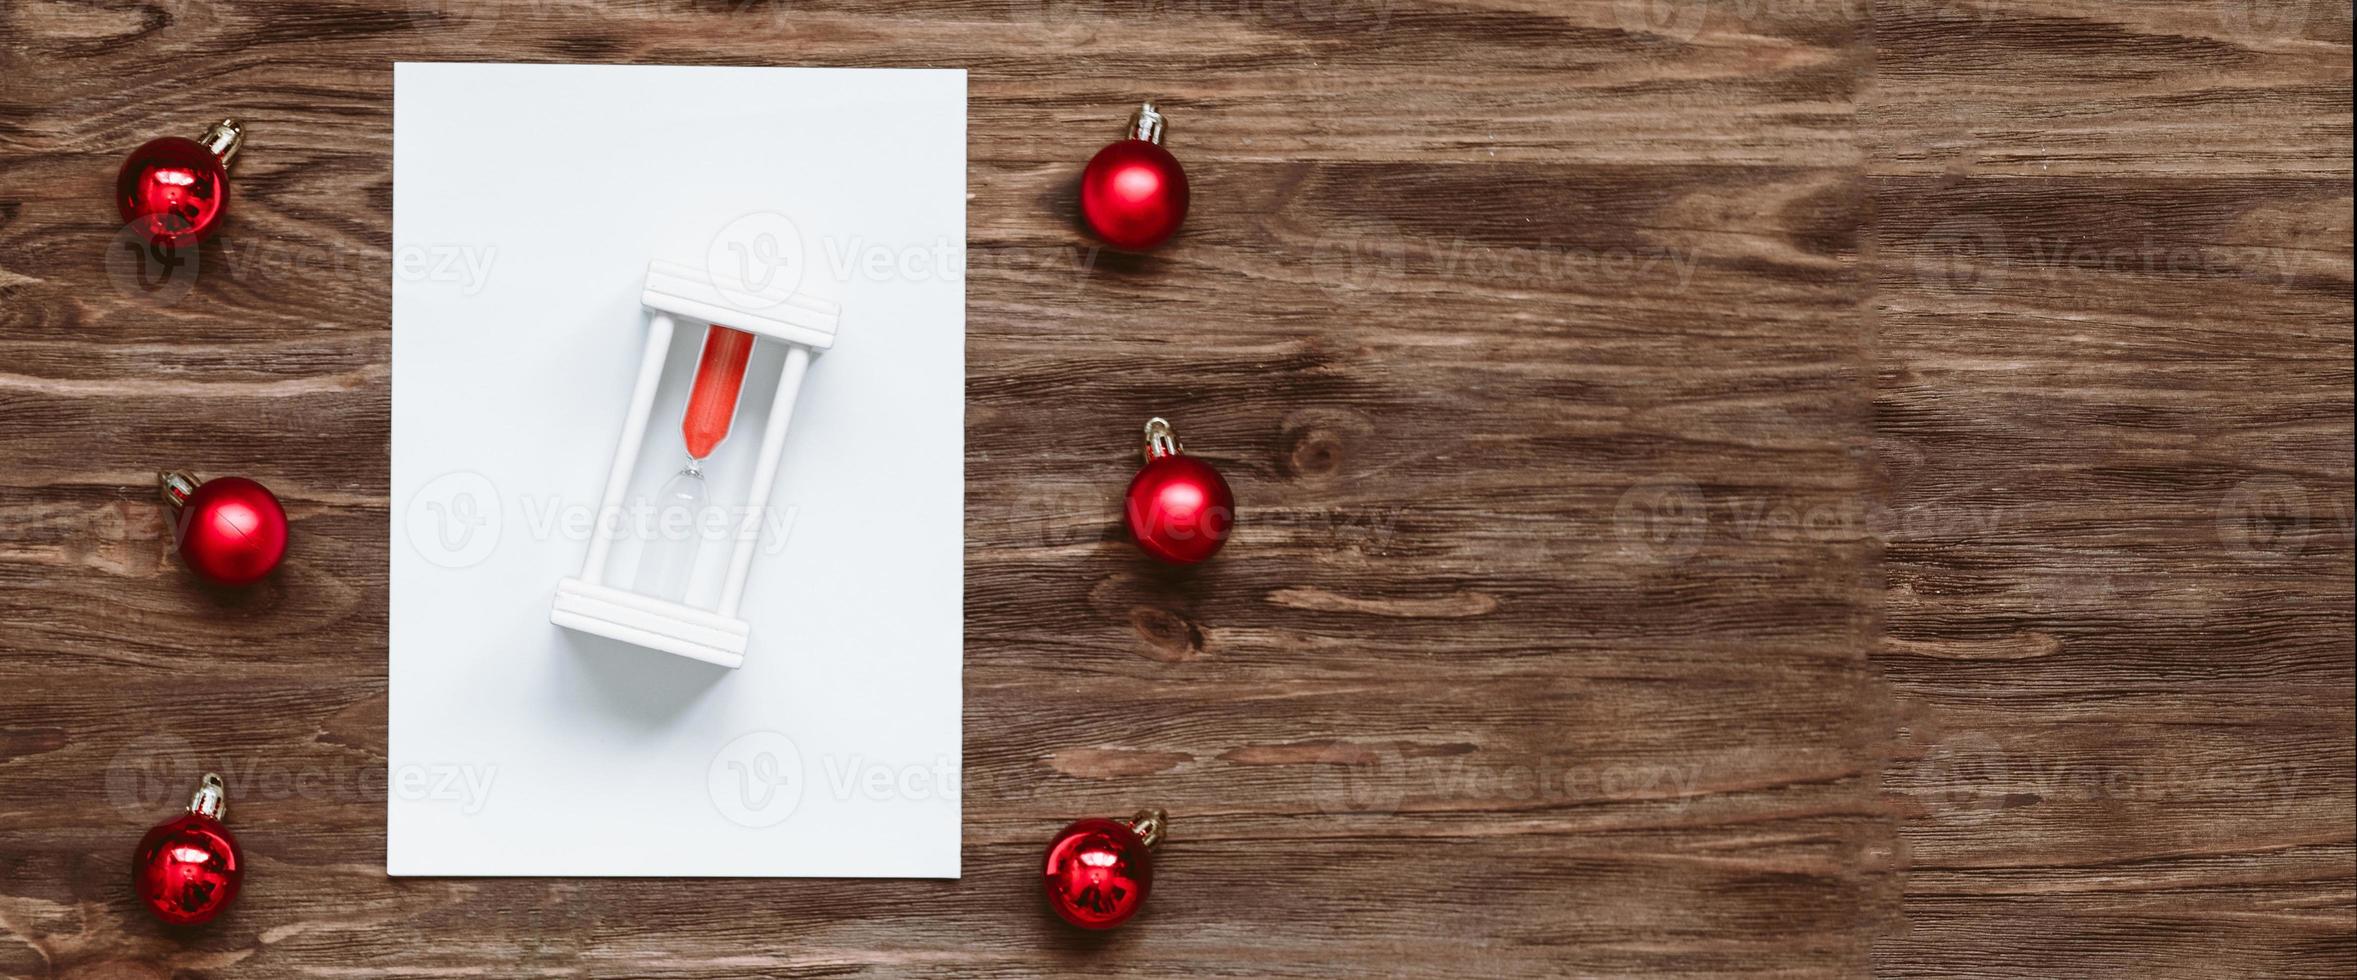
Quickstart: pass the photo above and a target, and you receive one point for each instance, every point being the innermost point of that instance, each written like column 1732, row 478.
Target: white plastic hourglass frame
column 677, row 294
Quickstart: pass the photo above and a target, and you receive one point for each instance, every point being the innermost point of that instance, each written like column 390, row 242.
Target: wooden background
column 1807, row 488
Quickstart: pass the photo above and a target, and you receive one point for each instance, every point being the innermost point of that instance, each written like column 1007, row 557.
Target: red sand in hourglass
column 712, row 403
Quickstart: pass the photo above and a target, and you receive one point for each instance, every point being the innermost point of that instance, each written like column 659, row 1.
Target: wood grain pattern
column 2113, row 418
column 1808, row 489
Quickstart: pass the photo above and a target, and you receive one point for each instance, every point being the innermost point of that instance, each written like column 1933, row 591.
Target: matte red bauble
column 1180, row 509
column 1099, row 870
column 231, row 530
column 176, row 189
column 1134, row 193
column 187, row 869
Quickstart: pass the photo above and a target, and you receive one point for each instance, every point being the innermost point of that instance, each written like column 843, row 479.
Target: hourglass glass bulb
column 667, row 561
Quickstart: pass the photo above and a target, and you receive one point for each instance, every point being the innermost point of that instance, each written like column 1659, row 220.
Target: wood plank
column 2113, row 297
column 1803, row 489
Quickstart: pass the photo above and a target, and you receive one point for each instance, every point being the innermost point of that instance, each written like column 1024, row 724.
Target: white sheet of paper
column 527, row 201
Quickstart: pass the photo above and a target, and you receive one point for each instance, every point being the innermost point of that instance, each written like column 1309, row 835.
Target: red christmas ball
column 1180, row 509
column 1134, row 193
column 187, row 869
column 231, row 530
column 1098, row 871
column 176, row 189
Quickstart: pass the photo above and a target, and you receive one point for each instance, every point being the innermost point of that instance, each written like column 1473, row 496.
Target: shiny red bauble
column 231, row 530
column 187, row 869
column 1134, row 193
column 175, row 189
column 1098, row 871
column 1180, row 509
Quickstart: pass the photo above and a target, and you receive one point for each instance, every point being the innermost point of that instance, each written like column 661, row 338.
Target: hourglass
column 652, row 609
